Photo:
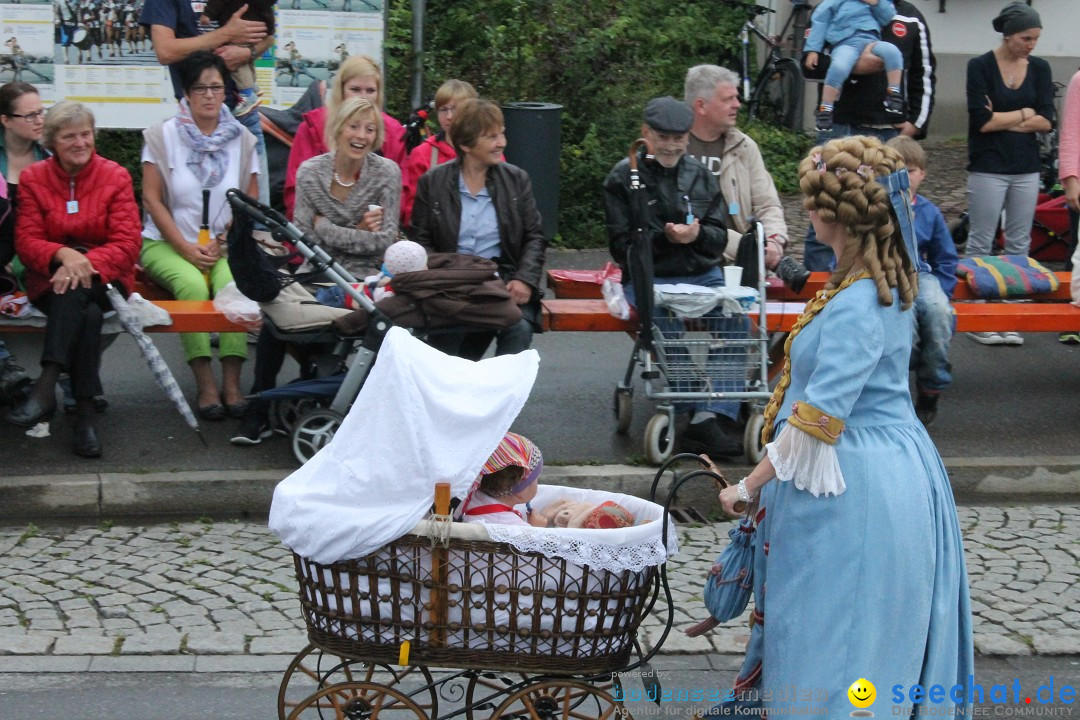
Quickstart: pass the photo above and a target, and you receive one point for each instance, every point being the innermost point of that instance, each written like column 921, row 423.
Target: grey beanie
column 1016, row 17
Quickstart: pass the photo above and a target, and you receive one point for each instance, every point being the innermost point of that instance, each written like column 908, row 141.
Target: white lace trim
column 583, row 547
column 810, row 463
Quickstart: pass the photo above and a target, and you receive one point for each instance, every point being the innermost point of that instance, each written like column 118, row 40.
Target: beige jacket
column 744, row 180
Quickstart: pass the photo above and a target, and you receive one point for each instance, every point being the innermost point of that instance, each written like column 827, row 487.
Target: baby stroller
column 694, row 345
column 310, row 410
column 456, row 294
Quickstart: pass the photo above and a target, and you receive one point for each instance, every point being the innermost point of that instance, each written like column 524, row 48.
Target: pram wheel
column 286, row 412
column 313, row 432
column 562, row 699
column 659, row 438
column 624, row 411
column 752, row 444
column 358, row 701
column 313, row 669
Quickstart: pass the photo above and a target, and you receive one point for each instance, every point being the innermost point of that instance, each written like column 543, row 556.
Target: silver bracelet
column 744, row 494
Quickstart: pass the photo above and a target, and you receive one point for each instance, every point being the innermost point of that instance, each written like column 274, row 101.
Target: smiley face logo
column 862, row 693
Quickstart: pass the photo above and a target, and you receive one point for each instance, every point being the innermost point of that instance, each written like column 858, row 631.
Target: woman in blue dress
column 859, row 560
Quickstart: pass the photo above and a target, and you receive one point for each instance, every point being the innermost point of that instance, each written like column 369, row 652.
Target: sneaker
column 926, row 408
column 13, row 380
column 987, row 338
column 252, row 431
column 717, row 437
column 894, row 104
column 247, row 103
column 823, row 121
column 1012, row 338
column 1069, row 338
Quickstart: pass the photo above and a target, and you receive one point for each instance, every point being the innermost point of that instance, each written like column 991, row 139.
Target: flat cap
column 666, row 114
column 1016, row 17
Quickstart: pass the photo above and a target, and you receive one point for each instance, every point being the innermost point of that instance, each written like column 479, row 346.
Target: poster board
column 95, row 52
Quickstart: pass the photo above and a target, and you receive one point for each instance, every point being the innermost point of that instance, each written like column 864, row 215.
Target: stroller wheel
column 752, row 446
column 624, row 401
column 288, row 411
column 313, row 432
column 659, row 438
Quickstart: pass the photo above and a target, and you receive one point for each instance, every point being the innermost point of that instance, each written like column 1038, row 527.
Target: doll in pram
column 527, row 622
column 338, row 345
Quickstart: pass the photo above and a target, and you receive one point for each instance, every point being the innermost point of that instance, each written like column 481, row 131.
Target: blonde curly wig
column 839, row 181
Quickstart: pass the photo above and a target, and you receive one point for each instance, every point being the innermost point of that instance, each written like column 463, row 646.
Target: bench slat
column 187, row 316
column 580, row 315
column 583, row 290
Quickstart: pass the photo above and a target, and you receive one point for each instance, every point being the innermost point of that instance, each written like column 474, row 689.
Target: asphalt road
column 1005, row 402
column 252, row 696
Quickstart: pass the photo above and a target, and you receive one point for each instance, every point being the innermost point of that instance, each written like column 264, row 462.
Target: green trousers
column 170, row 270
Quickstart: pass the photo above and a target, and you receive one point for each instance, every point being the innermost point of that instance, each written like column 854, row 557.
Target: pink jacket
column 107, row 225
column 1069, row 132
column 308, row 143
column 418, row 163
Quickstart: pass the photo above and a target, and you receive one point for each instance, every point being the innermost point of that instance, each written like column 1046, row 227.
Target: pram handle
column 257, row 210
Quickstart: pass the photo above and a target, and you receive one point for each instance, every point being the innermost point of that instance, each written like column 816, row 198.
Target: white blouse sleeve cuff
column 808, row 462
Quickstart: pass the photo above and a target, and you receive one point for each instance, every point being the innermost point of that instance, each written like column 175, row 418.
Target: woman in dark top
column 1010, row 97
column 477, row 204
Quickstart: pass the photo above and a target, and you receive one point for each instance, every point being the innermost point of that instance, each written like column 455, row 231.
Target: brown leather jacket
column 453, row 290
column 436, row 219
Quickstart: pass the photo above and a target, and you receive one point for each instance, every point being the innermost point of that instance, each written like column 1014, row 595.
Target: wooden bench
column 566, row 287
column 187, row 315
column 581, row 315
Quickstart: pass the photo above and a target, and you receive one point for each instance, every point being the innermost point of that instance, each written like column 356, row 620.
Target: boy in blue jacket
column 849, row 26
column 934, row 318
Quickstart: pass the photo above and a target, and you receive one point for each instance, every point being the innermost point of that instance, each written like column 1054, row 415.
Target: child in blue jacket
column 934, row 318
column 849, row 26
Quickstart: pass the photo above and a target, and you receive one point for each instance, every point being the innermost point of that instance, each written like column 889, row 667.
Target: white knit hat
column 404, row 256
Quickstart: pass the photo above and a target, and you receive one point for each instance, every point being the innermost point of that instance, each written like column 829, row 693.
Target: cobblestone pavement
column 226, row 588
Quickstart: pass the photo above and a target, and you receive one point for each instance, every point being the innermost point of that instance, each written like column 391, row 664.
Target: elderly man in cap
column 688, row 236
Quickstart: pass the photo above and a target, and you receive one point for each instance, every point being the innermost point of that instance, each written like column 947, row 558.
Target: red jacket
column 107, row 224
column 308, row 142
column 418, row 163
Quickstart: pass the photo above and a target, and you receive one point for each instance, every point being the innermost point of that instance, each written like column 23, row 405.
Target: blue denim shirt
column 479, row 231
column 936, row 248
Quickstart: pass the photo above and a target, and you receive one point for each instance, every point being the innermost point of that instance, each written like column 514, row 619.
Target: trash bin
column 532, row 143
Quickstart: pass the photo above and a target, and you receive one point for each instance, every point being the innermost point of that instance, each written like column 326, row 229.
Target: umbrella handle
column 632, row 152
column 721, row 481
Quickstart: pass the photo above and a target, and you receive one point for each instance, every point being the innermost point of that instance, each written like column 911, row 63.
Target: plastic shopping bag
column 237, row 307
column 615, row 299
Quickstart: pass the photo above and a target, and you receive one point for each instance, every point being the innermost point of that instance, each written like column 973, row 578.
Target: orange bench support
column 580, row 315
column 582, row 290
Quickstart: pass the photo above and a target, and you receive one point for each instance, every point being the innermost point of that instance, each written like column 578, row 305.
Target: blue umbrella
column 731, row 579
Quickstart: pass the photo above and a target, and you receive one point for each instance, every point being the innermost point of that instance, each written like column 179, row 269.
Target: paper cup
column 732, row 276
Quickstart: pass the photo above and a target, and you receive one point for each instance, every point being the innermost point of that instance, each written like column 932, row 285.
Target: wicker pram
column 493, row 608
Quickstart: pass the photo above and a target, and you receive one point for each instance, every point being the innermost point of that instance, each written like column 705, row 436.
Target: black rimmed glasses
column 32, row 117
column 207, row 89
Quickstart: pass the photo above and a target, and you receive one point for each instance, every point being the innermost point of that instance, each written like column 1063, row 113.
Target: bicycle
column 775, row 95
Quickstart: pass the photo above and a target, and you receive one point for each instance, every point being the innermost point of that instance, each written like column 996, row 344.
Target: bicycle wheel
column 776, row 97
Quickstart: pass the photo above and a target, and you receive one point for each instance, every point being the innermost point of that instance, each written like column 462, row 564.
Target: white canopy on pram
column 422, row 417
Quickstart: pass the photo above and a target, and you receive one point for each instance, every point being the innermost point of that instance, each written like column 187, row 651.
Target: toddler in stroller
column 508, row 479
column 401, row 257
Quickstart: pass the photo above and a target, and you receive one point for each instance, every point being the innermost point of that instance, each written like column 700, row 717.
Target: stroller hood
column 422, row 417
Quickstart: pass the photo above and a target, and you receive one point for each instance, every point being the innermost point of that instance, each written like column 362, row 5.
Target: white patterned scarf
column 207, row 160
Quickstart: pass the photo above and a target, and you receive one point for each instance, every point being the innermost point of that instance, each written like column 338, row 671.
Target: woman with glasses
column 22, row 118
column 202, row 148
column 436, row 149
